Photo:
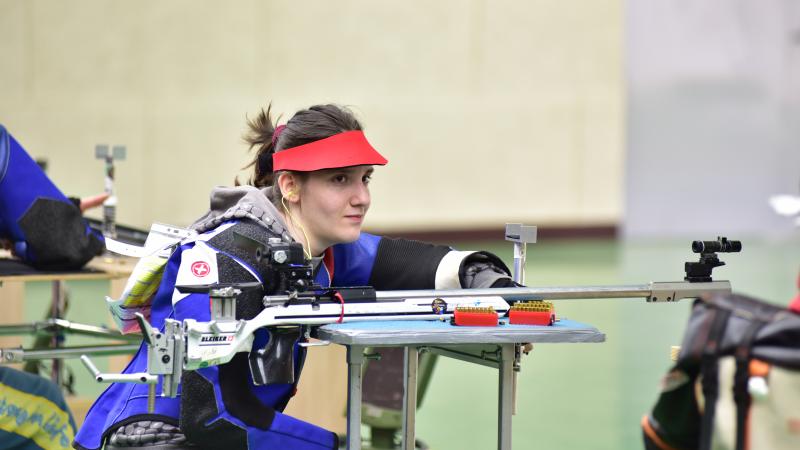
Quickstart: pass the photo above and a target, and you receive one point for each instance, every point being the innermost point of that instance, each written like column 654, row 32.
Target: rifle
column 191, row 344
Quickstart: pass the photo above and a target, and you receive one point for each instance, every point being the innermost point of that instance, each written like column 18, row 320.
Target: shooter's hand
column 93, row 201
column 5, row 244
column 505, row 283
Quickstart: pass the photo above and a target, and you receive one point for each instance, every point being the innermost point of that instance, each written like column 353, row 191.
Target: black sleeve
column 406, row 264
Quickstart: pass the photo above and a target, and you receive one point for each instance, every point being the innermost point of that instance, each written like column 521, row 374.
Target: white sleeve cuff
column 447, row 272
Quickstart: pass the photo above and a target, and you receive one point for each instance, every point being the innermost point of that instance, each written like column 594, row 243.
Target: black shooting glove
column 482, row 270
column 505, row 283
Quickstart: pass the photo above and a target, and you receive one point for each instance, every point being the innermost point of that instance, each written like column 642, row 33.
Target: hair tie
column 276, row 134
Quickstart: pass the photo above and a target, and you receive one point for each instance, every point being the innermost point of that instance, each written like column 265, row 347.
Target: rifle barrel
column 525, row 293
column 653, row 292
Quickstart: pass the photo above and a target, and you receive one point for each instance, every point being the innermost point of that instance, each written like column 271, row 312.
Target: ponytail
column 259, row 136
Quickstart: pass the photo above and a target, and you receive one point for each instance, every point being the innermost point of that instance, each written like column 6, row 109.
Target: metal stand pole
column 56, row 312
column 506, row 397
column 410, row 355
column 355, row 363
column 116, row 153
column 520, row 235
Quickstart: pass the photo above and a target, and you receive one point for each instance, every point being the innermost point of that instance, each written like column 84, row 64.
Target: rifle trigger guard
column 315, row 344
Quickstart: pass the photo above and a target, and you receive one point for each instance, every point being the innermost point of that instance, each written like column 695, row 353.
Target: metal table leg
column 506, row 397
column 56, row 312
column 355, row 363
column 409, row 396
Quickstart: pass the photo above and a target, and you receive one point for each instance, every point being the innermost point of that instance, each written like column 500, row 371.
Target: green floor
column 570, row 396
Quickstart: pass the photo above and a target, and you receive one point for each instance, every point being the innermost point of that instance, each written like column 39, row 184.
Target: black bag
column 729, row 329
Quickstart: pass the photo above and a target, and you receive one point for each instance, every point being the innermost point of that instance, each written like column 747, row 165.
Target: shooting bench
column 489, row 346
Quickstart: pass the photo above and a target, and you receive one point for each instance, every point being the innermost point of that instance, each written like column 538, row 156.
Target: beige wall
column 488, row 111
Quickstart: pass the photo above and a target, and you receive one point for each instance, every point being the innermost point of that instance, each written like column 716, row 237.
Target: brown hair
column 307, row 125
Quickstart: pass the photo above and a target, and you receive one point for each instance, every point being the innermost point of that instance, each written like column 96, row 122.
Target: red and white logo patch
column 200, row 269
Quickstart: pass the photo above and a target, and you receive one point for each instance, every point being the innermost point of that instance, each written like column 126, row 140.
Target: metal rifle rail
column 17, row 355
column 54, row 325
column 655, row 291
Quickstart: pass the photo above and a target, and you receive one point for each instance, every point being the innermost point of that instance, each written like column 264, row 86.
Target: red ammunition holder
column 531, row 317
column 475, row 319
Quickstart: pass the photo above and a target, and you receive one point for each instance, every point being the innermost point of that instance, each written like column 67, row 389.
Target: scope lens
column 734, row 246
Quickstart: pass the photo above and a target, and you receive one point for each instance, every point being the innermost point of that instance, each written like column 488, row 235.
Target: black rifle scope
column 721, row 245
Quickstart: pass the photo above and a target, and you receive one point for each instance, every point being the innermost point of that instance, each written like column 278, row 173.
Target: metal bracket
column 307, row 336
column 520, row 235
column 164, row 353
column 673, row 291
column 12, row 355
column 517, row 232
column 223, row 303
column 139, row 378
column 118, row 152
column 314, row 344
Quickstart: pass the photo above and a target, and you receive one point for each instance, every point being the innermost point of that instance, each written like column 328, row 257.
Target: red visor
column 340, row 150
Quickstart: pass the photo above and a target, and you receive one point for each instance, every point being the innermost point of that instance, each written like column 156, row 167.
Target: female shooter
column 310, row 185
